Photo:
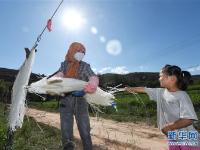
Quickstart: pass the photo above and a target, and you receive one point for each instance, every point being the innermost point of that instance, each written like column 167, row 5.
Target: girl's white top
column 172, row 106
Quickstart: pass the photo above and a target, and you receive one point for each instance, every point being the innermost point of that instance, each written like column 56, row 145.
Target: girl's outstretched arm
column 135, row 89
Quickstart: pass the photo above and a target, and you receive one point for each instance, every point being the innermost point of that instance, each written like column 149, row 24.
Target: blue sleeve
column 85, row 71
column 63, row 66
column 89, row 72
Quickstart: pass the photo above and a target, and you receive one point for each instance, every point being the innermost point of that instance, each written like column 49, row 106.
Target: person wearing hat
column 73, row 103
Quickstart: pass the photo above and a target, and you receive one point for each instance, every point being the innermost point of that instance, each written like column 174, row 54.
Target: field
column 131, row 108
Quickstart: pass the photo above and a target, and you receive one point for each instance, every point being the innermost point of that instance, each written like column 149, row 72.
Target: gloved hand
column 91, row 87
column 78, row 93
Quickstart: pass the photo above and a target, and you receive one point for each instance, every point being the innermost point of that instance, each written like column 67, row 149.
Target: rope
column 40, row 35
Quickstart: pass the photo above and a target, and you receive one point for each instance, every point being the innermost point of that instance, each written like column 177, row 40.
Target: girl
column 175, row 111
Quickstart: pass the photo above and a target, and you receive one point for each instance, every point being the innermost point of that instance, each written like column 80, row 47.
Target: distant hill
column 9, row 75
column 131, row 79
column 149, row 79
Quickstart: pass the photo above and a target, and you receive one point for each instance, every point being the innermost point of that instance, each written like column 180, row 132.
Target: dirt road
column 111, row 135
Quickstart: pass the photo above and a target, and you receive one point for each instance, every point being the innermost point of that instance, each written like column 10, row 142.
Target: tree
column 4, row 90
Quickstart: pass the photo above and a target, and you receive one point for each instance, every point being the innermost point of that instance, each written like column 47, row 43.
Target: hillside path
column 109, row 134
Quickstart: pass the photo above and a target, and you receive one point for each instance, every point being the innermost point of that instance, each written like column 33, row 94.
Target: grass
column 30, row 136
column 132, row 109
column 3, row 127
column 194, row 87
column 51, row 106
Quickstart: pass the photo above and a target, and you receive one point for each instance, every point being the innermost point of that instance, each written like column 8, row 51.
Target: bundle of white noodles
column 54, row 85
column 19, row 92
column 58, row 86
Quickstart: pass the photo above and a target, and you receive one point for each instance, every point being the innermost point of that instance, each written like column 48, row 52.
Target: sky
column 120, row 36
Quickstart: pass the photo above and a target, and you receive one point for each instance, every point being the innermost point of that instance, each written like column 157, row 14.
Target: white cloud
column 94, row 30
column 105, row 70
column 102, row 39
column 117, row 70
column 194, row 70
column 114, row 47
column 95, row 70
column 120, row 70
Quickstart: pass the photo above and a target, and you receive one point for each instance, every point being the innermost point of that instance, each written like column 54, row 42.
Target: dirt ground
column 110, row 135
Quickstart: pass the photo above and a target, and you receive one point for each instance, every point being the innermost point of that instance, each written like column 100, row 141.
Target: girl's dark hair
column 183, row 77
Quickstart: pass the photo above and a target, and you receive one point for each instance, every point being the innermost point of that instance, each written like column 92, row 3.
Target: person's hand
column 166, row 128
column 90, row 88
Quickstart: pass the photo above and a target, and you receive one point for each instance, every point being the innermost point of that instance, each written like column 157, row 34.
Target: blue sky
column 120, row 36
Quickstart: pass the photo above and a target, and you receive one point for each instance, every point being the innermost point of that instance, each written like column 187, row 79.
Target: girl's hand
column 166, row 128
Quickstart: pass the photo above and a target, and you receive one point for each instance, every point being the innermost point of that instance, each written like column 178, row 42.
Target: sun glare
column 73, row 19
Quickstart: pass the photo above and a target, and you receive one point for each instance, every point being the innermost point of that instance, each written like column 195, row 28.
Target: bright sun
column 73, row 20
